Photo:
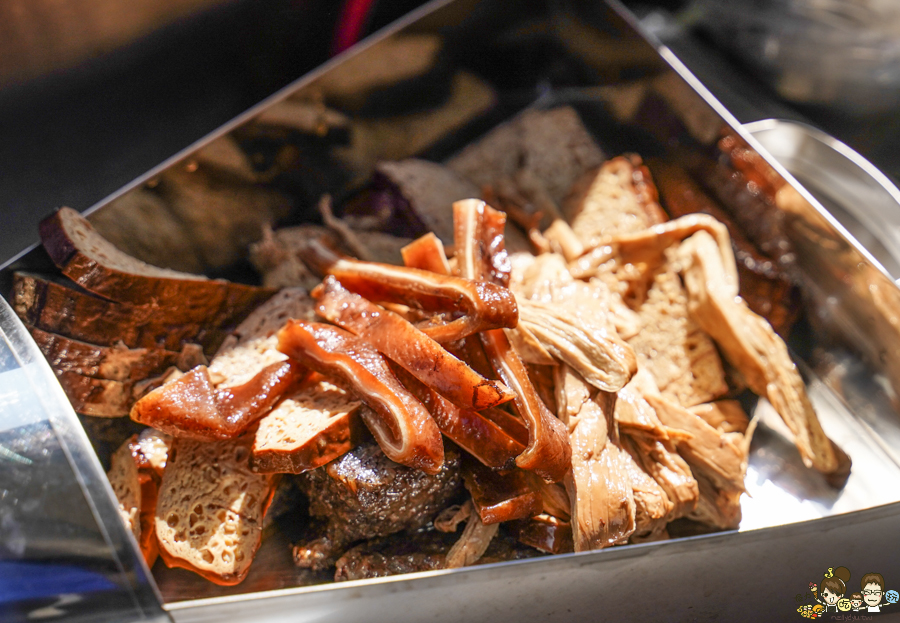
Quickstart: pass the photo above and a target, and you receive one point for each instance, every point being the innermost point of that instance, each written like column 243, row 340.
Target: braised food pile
column 554, row 365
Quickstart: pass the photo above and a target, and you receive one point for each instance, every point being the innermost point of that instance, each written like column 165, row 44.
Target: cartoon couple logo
column 830, row 595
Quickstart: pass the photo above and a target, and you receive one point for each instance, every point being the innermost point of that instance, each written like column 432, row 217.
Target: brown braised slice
column 476, row 432
column 548, row 453
column 752, row 346
column 150, row 452
column 545, row 532
column 401, row 342
column 104, row 398
column 210, row 510
column 426, row 253
column 113, row 363
column 400, row 423
column 496, row 445
column 193, row 407
column 501, row 495
column 649, row 244
column 125, row 480
column 634, row 413
column 474, row 541
column 148, row 541
column 586, row 344
column 726, row 416
column 478, row 236
column 96, row 265
column 651, row 505
column 618, row 197
column 662, row 463
column 709, row 452
column 57, row 305
column 719, row 508
column 308, row 428
column 764, row 285
column 484, row 305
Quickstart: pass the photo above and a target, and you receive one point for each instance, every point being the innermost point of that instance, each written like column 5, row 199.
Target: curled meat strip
column 426, row 253
column 484, row 305
column 548, row 453
column 474, row 431
column 493, row 436
column 501, row 495
column 402, row 426
column 192, row 407
column 406, row 345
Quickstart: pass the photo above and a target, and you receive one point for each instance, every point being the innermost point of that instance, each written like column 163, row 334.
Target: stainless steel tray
column 853, row 190
column 593, row 57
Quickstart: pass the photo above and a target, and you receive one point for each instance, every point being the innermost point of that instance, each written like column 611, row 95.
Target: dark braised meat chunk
column 364, row 494
column 420, row 550
column 404, row 552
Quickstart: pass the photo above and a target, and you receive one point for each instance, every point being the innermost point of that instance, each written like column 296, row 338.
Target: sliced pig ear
column 191, row 407
column 400, row 423
column 548, row 452
column 401, row 342
column 484, row 305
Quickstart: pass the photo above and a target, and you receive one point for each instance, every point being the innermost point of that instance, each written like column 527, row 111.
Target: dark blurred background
column 92, row 99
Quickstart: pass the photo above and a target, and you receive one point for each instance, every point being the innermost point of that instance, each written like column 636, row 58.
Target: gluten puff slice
column 210, row 509
column 125, row 481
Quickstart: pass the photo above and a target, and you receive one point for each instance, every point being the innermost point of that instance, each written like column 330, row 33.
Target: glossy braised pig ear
column 413, row 350
column 753, row 347
column 482, row 434
column 483, row 305
column 192, row 407
column 400, row 423
column 548, row 452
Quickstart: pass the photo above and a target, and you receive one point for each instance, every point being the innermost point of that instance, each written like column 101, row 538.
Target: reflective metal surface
column 853, row 190
column 64, row 553
column 633, row 95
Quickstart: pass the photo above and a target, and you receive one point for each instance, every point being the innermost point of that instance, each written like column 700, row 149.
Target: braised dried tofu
column 671, row 346
column 617, row 198
column 307, row 429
